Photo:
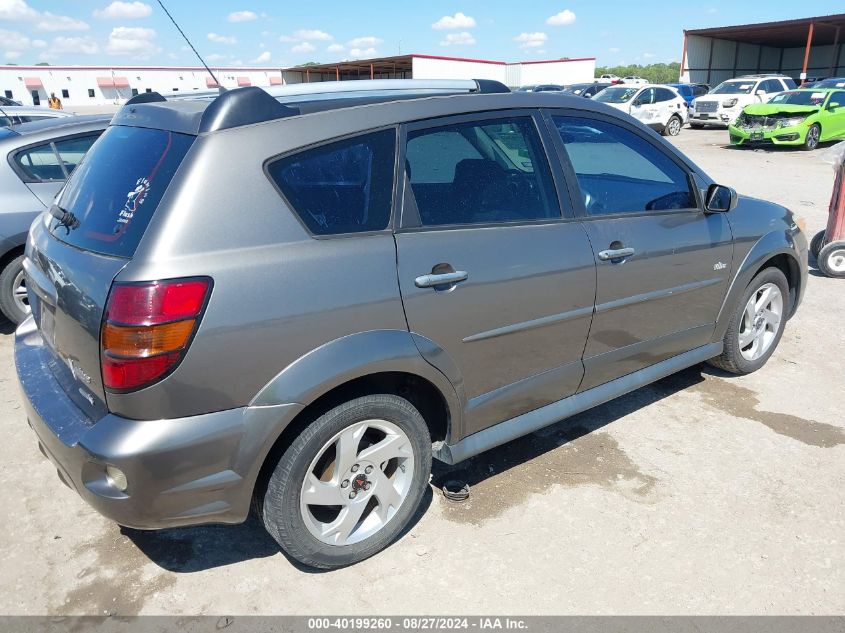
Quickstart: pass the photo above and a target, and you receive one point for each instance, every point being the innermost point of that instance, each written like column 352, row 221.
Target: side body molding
column 770, row 245
column 358, row 355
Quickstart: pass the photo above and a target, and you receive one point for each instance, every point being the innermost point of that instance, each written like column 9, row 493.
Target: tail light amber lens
column 147, row 329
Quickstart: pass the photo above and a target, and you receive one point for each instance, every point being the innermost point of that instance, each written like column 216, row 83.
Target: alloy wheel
column 19, row 292
column 357, row 482
column 760, row 321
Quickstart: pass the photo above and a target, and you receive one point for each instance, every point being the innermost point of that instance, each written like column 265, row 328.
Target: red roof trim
column 557, row 61
column 459, row 59
column 126, row 68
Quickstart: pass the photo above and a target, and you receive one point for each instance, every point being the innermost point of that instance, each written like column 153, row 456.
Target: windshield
column 111, row 196
column 733, row 88
column 799, row 97
column 616, row 95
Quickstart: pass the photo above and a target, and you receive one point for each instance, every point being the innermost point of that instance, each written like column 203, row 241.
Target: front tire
column 348, row 485
column 757, row 325
column 673, row 126
column 811, row 141
column 831, row 259
column 14, row 302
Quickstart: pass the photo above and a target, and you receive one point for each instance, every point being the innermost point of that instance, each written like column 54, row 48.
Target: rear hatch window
column 113, row 193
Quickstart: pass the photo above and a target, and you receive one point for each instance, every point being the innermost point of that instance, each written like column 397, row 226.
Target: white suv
column 722, row 105
column 658, row 106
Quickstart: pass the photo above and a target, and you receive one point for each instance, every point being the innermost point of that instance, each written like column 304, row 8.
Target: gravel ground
column 701, row 494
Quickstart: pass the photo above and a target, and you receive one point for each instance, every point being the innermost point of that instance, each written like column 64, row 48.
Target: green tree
column 655, row 73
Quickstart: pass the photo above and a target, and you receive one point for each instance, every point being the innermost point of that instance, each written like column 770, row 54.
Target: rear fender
column 357, row 355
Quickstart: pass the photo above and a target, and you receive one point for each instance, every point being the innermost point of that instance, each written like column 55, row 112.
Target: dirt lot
column 699, row 494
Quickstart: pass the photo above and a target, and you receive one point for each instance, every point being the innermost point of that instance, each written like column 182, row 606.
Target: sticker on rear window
column 134, row 199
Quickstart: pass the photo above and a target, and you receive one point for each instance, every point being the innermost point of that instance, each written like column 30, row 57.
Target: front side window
column 620, row 172
column 341, row 187
column 480, row 172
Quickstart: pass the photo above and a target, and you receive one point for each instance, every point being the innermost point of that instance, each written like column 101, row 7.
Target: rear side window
column 341, row 187
column 116, row 188
column 663, row 94
column 480, row 172
column 619, row 171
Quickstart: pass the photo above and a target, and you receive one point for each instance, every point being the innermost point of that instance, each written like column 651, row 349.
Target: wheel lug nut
column 344, row 483
column 368, row 469
column 367, row 486
column 353, row 494
column 355, row 468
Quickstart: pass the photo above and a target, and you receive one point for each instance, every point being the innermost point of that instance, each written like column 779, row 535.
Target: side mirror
column 761, row 92
column 720, row 199
column 636, row 103
column 833, row 106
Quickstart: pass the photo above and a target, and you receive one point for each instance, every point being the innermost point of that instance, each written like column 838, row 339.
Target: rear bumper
column 200, row 469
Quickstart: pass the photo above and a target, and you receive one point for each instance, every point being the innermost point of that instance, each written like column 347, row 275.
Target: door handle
column 443, row 279
column 616, row 253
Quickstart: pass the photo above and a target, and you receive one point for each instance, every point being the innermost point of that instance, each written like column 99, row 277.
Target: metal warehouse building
column 810, row 47
column 416, row 66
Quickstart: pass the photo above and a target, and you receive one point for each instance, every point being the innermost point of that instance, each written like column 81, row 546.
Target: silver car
column 36, row 160
column 12, row 115
column 293, row 304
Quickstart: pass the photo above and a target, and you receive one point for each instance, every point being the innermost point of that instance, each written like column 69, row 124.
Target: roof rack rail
column 242, row 107
column 145, row 97
column 434, row 86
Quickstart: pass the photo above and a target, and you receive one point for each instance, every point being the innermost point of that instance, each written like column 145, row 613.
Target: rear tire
column 13, row 300
column 816, row 244
column 757, row 324
column 673, row 126
column 353, row 485
column 831, row 259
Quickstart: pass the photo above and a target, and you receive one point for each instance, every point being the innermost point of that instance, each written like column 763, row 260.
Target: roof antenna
column 182, row 33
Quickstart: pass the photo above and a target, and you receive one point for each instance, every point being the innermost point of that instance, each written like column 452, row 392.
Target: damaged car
column 802, row 118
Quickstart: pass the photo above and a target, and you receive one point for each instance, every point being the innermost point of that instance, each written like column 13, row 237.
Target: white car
column 660, row 107
column 722, row 105
column 634, row 80
column 610, row 79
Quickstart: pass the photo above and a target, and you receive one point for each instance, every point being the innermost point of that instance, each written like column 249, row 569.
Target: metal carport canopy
column 807, row 32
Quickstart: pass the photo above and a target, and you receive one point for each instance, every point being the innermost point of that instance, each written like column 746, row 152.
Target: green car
column 803, row 117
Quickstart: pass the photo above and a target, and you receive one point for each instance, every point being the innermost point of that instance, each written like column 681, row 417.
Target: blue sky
column 264, row 33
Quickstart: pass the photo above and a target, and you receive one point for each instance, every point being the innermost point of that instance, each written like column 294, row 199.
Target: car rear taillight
column 147, row 328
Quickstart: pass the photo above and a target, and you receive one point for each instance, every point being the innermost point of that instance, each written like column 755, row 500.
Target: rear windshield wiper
column 65, row 217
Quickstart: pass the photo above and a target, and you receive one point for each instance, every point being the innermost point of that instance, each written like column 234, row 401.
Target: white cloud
column 263, row 58
column 124, row 11
column 364, row 42
column 312, row 34
column 335, row 48
column 531, row 40
column 12, row 54
column 86, row 45
column 51, row 22
column 613, row 49
column 14, row 41
column 457, row 21
column 215, row 57
column 222, row 39
column 363, row 52
column 649, row 55
column 16, row 10
column 242, row 16
column 303, row 47
column 464, row 38
column 564, row 18
column 236, row 62
column 133, row 41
